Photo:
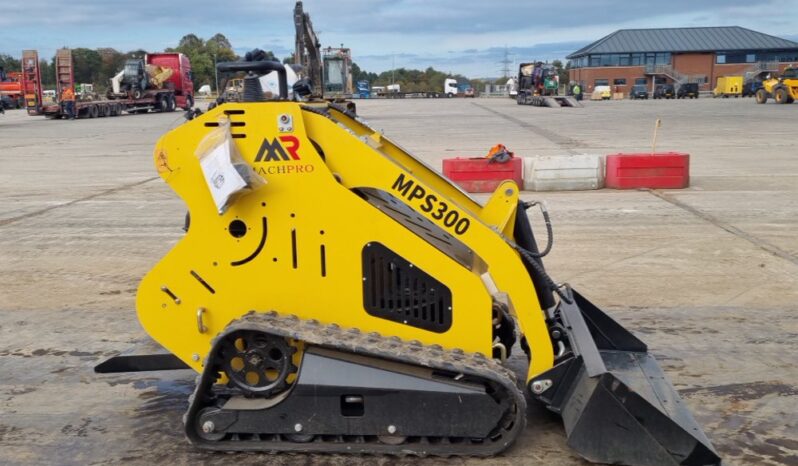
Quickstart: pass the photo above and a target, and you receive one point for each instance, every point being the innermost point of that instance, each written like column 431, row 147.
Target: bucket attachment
column 616, row 403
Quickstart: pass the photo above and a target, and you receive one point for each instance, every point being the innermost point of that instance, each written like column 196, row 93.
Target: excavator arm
column 308, row 50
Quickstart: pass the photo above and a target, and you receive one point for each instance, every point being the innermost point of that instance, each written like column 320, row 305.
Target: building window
column 750, row 58
column 622, row 59
column 619, row 81
column 578, row 62
column 642, row 81
column 735, row 58
column 720, row 58
column 601, row 82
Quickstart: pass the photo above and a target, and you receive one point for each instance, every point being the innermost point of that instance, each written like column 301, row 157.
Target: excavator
column 330, row 69
column 782, row 89
column 358, row 302
column 307, row 52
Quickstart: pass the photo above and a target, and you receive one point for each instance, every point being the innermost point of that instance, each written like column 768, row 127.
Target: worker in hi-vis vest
column 68, row 100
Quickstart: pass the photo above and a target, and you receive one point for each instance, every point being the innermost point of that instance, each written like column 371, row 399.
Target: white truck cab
column 450, row 87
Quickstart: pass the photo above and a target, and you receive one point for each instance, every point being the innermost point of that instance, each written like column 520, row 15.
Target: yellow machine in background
column 783, row 89
column 728, row 86
column 359, row 302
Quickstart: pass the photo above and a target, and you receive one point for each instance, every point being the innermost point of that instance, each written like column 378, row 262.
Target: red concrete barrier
column 669, row 170
column 479, row 176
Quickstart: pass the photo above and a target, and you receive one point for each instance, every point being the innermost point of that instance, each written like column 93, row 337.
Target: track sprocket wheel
column 257, row 363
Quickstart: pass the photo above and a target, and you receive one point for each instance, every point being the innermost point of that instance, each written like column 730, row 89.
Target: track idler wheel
column 257, row 363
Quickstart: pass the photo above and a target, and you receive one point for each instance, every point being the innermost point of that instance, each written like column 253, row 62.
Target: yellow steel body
column 316, row 205
column 790, row 83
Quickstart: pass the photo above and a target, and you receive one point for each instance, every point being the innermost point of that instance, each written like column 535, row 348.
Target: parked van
column 687, row 90
column 664, row 91
column 639, row 91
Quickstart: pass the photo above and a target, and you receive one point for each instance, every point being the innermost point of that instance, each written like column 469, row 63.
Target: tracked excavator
column 359, row 302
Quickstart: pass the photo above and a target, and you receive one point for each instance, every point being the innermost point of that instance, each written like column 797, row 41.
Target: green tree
column 203, row 54
column 47, row 73
column 9, row 63
column 190, row 43
column 87, row 65
column 138, row 53
column 429, row 80
column 112, row 63
column 562, row 71
column 359, row 74
column 218, row 46
column 219, row 41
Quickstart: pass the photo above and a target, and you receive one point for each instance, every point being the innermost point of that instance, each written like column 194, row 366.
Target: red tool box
column 479, row 176
column 668, row 170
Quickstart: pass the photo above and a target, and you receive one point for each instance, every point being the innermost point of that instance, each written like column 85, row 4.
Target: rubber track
column 371, row 344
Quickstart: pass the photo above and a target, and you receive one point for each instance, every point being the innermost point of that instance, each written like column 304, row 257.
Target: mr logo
column 273, row 151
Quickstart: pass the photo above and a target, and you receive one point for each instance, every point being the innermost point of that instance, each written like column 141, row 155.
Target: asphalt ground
column 707, row 276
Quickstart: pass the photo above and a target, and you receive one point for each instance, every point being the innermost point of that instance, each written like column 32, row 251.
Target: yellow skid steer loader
column 359, row 302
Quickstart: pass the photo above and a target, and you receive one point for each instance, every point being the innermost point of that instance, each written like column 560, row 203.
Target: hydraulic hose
column 549, row 230
column 532, row 260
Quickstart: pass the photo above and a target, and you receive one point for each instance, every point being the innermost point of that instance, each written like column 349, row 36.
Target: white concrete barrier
column 564, row 172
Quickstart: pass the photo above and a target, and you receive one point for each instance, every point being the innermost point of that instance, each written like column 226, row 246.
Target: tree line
column 97, row 66
column 409, row 80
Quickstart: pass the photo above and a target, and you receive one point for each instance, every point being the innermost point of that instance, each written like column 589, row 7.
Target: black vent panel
column 395, row 290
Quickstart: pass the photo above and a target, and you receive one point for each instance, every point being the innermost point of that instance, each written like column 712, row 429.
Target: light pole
column 216, row 75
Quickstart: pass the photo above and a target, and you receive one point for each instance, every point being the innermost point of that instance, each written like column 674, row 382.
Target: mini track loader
column 359, row 302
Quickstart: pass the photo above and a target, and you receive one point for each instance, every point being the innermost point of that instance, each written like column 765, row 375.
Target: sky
column 469, row 37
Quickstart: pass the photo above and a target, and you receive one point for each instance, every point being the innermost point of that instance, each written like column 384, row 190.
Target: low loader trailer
column 177, row 91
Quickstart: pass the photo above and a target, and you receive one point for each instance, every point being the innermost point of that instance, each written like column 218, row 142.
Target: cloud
column 466, row 36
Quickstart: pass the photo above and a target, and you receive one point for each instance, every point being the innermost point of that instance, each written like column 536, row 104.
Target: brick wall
column 588, row 76
column 685, row 63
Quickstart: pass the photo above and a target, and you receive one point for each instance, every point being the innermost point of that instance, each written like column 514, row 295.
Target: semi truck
column 163, row 92
column 451, row 88
column 363, row 89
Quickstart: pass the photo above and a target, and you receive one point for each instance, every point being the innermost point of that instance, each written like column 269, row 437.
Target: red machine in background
column 10, row 89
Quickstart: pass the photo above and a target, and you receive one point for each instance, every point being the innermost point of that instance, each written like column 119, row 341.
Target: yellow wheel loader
column 359, row 302
column 782, row 89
